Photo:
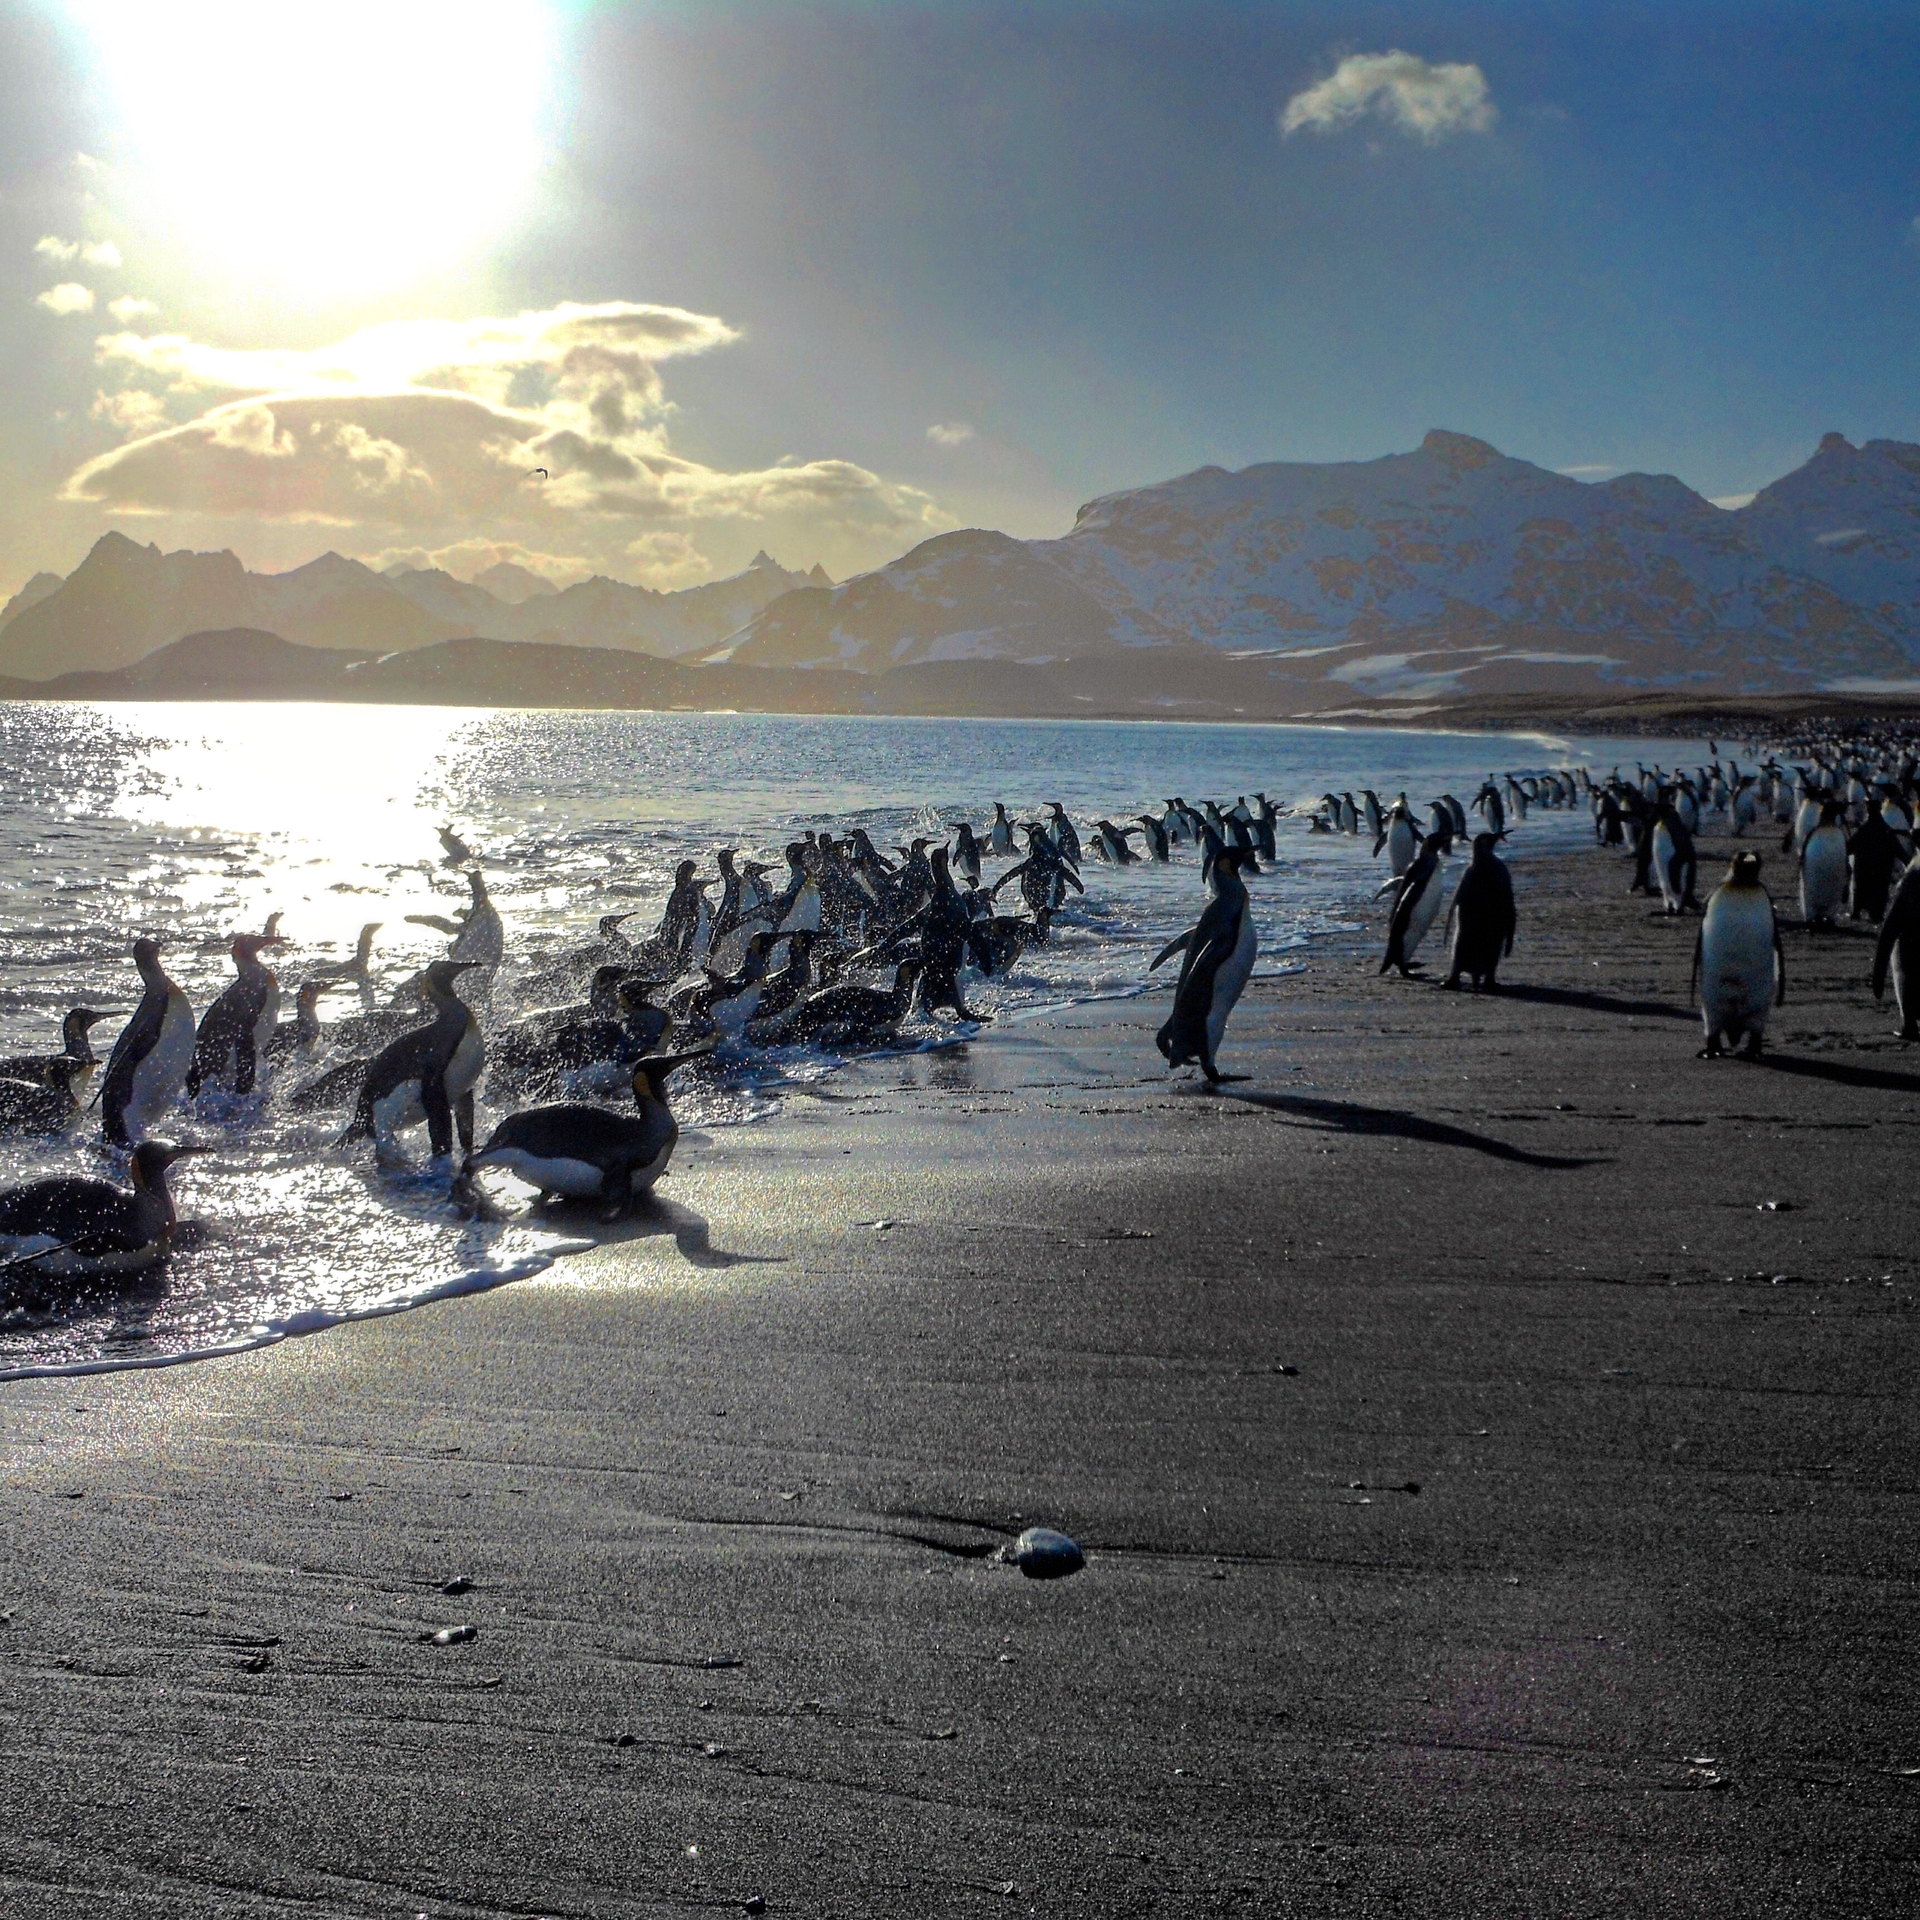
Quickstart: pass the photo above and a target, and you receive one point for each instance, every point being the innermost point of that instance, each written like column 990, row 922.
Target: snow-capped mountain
column 1448, row 569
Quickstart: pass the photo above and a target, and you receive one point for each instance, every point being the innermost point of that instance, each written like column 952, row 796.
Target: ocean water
column 193, row 822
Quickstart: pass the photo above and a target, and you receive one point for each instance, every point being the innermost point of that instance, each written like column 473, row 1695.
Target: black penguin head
column 610, row 924
column 477, row 882
column 1484, row 844
column 146, row 956
column 684, row 872
column 84, row 1017
column 650, row 1074
column 1744, row 871
column 723, row 858
column 152, row 1158
column 310, row 991
column 443, row 974
column 249, row 946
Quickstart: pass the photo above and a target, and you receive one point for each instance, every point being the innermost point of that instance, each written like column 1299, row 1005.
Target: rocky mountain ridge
column 126, row 601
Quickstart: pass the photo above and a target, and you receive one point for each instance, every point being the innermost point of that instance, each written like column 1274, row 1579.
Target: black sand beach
column 1491, row 1430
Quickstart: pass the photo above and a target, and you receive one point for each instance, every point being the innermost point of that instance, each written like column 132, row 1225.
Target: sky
column 644, row 288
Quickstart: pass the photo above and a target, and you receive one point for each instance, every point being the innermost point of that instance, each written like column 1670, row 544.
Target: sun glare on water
column 351, row 140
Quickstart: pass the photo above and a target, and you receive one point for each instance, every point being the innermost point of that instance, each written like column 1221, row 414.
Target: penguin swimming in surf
column 303, row 1033
column 1220, row 950
column 69, row 1226
column 429, row 1074
column 1064, row 837
column 147, row 1070
column 46, row 1105
column 238, row 1028
column 76, row 1048
column 1739, row 970
column 590, row 1153
column 1483, row 917
column 1897, row 951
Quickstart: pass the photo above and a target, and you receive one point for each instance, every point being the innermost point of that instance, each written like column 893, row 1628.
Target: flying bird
column 540, row 472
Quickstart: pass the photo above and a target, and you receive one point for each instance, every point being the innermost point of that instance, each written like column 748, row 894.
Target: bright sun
column 351, row 142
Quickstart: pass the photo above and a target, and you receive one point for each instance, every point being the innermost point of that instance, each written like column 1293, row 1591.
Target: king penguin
column 1415, row 908
column 237, row 1029
column 1898, row 951
column 147, row 1070
column 428, row 1074
column 70, row 1225
column 1738, row 968
column 1220, row 950
column 1483, row 917
column 1823, row 868
column 591, row 1153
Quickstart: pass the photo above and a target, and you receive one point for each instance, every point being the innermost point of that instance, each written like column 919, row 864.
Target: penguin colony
column 842, row 947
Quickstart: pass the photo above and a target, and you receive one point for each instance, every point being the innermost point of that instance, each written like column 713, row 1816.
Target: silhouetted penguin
column 1000, row 834
column 147, row 1070
column 1064, row 836
column 1483, row 916
column 1898, row 951
column 237, row 1029
column 303, row 1032
column 590, row 1153
column 850, row 1014
column 966, row 853
column 73, row 1226
column 429, row 1074
column 1416, row 906
column 1220, row 950
column 1159, row 845
column 1738, row 968
column 77, row 1049
column 357, row 967
column 1873, row 853
column 1823, row 867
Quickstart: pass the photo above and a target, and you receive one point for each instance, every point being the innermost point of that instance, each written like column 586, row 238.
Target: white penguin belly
column 66, row 1263
column 1736, row 963
column 161, row 1078
column 468, row 1063
column 1823, row 874
column 1425, row 911
column 577, row 1179
column 1230, row 980
column 401, row 1108
column 1663, row 863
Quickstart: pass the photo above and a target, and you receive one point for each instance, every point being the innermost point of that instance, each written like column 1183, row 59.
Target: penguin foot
column 1451, row 984
column 1711, row 1051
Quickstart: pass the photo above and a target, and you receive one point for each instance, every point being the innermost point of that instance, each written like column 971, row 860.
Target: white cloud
column 96, row 253
column 135, row 413
column 419, row 431
column 1425, row 100
column 1587, row 471
column 950, row 433
column 466, row 558
column 1733, row 502
column 130, row 307
column 68, row 297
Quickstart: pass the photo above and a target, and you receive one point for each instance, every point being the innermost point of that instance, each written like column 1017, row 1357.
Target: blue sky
column 1072, row 238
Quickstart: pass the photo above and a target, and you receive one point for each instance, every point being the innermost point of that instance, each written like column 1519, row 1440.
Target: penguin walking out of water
column 1220, row 950
column 299, row 1037
column 1064, row 836
column 1159, row 844
column 1897, row 951
column 73, row 1226
column 1415, row 908
column 147, row 1070
column 966, row 853
column 1000, row 834
column 429, row 1074
column 589, row 1153
column 1823, row 868
column 236, row 1031
column 1738, row 968
column 1483, row 917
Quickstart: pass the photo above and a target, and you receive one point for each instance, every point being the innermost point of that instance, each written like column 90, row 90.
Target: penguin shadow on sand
column 1584, row 1000
column 1349, row 1116
column 651, row 1217
column 1839, row 1073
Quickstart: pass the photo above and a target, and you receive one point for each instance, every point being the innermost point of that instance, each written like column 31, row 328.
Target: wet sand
column 1492, row 1432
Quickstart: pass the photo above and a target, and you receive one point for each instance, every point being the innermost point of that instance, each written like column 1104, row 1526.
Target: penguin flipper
column 1171, row 948
column 438, row 922
column 1779, row 968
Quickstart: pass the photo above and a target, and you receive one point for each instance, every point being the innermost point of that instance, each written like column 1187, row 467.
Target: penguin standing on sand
column 73, row 1226
column 1220, row 951
column 1823, row 867
column 1873, row 853
column 429, row 1074
column 1738, row 968
column 1415, row 908
column 589, row 1153
column 147, row 1070
column 236, row 1031
column 1670, row 853
column 1898, row 951
column 1483, row 917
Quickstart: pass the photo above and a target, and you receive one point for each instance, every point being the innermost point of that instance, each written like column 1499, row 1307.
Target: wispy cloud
column 130, row 307
column 950, row 433
column 1588, row 471
column 96, row 253
column 1733, row 502
column 68, row 297
column 1424, row 100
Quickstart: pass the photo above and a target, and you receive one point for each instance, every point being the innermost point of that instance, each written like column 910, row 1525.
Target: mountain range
column 125, row 601
column 1447, row 576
